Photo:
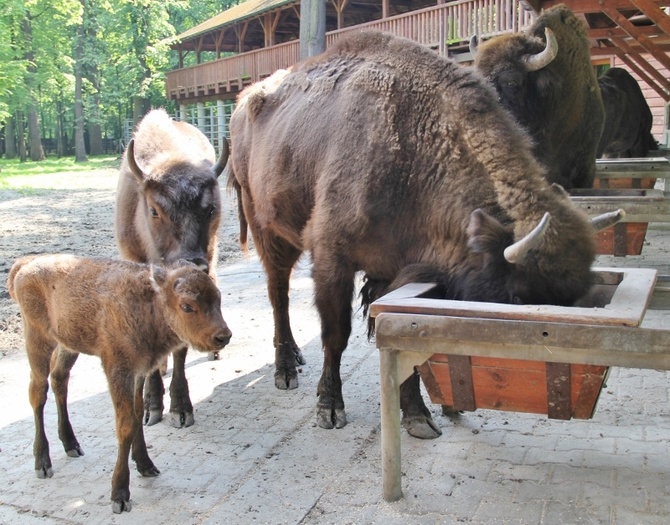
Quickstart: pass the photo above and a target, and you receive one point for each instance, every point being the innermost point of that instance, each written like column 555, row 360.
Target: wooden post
column 312, row 28
column 390, row 423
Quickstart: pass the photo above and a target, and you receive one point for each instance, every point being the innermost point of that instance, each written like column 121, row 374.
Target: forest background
column 72, row 72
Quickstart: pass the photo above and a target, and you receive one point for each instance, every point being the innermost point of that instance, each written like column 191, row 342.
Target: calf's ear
column 158, row 275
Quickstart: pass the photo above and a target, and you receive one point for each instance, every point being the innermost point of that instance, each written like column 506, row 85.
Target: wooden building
column 250, row 41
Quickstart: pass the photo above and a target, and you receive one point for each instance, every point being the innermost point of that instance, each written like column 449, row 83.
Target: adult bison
column 628, row 119
column 380, row 156
column 168, row 207
column 545, row 78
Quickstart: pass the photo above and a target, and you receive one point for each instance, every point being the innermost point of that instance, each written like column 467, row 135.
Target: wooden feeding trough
column 477, row 355
column 627, row 184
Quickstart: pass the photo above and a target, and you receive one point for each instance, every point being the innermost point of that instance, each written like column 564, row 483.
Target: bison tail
column 234, row 185
column 20, row 263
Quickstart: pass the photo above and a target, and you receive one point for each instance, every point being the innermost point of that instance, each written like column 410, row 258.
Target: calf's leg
column 181, row 408
column 122, row 390
column 153, row 398
column 62, row 362
column 140, row 454
column 39, row 355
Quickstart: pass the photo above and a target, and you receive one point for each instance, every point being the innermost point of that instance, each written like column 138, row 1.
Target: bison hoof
column 286, row 380
column 44, row 472
column 421, row 427
column 299, row 359
column 213, row 356
column 450, row 411
column 151, row 417
column 328, row 418
column 181, row 419
column 75, row 452
column 119, row 506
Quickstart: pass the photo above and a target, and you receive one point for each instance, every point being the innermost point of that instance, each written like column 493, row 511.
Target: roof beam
column 633, row 32
column 594, row 6
column 655, row 14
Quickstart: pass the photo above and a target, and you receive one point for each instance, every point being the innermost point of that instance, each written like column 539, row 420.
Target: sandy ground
column 78, row 222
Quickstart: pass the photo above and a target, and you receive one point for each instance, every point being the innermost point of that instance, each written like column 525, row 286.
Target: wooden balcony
column 445, row 28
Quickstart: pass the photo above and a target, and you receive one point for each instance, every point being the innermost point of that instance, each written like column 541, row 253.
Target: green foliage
column 125, row 55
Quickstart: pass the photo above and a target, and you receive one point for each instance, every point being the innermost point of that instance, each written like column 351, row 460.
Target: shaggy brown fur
column 168, row 207
column 560, row 104
column 131, row 316
column 380, row 154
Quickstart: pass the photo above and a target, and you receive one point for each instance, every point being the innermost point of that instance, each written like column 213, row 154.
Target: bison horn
column 223, row 158
column 544, row 57
column 132, row 162
column 516, row 253
column 474, row 43
column 606, row 220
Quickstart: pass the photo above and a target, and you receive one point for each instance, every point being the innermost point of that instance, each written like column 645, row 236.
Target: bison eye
column 212, row 210
column 187, row 308
column 153, row 212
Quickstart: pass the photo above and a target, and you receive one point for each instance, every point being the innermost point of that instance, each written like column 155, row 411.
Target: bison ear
column 486, row 234
column 132, row 163
column 559, row 190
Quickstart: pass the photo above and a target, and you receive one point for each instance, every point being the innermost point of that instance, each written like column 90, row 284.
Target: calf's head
column 181, row 206
column 193, row 307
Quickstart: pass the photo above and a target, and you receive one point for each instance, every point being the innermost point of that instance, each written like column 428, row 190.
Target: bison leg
column 140, row 454
column 181, row 408
column 153, row 398
column 416, row 417
column 62, row 362
column 122, row 389
column 334, row 294
column 39, row 355
column 278, row 258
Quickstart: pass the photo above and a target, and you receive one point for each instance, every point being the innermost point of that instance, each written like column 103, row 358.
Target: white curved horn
column 544, row 57
column 516, row 253
column 604, row 221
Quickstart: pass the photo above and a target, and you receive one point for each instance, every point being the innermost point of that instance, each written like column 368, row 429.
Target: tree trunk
column 140, row 108
column 10, row 139
column 21, row 136
column 79, row 144
column 34, row 135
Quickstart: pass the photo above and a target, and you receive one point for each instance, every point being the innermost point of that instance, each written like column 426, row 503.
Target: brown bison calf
column 131, row 316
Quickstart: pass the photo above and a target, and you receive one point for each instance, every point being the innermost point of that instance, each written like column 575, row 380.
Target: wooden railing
column 442, row 28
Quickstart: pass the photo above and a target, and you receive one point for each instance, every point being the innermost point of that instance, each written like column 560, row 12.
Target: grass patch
column 59, row 174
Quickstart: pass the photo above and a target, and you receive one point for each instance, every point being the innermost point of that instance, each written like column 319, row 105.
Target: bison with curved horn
column 380, row 156
column 545, row 78
column 168, row 207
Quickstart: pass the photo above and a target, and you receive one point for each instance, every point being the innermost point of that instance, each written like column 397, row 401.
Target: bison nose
column 201, row 263
column 222, row 338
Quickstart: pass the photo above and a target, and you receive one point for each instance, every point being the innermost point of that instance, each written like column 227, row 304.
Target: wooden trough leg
column 390, row 420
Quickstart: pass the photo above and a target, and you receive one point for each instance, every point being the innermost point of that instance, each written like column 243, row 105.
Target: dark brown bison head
column 181, row 205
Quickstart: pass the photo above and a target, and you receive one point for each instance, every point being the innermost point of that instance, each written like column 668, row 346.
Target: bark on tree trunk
column 10, row 139
column 21, row 136
column 35, row 137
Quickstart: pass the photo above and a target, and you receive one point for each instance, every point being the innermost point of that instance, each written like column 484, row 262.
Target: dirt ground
column 78, row 222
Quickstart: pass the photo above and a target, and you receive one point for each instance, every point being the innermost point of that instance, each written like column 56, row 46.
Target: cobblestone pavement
column 255, row 454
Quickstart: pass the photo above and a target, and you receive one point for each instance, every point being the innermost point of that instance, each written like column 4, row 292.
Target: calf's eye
column 187, row 308
column 153, row 212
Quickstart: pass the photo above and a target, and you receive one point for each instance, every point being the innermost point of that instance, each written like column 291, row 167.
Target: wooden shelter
column 253, row 39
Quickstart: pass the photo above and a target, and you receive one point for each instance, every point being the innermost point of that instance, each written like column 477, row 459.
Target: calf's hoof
column 299, row 359
column 151, row 417
column 119, row 506
column 148, row 471
column 287, row 379
column 181, row 419
column 75, row 452
column 422, row 427
column 331, row 418
column 213, row 356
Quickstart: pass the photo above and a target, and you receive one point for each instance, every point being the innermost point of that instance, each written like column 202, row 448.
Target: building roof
column 248, row 9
